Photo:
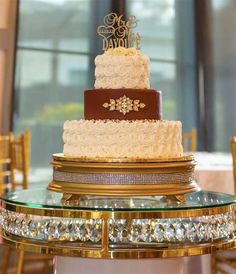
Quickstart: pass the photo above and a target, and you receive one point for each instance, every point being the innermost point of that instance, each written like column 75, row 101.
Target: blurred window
column 55, row 63
column 167, row 31
column 223, row 23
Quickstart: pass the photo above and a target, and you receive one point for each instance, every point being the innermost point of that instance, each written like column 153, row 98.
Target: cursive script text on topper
column 117, row 32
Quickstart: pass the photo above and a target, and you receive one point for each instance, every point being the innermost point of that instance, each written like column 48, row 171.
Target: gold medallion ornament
column 124, row 105
column 117, row 32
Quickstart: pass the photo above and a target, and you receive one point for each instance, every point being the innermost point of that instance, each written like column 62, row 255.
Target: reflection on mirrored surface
column 48, row 199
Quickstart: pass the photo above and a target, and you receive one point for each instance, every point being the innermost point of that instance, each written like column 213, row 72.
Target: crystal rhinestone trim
column 122, row 179
column 124, row 105
column 121, row 231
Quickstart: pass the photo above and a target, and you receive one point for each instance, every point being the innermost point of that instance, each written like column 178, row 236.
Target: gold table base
column 149, row 252
column 39, row 225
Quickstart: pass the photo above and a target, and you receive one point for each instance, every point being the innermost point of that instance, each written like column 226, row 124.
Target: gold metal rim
column 125, row 168
column 123, row 190
column 119, row 214
column 62, row 157
column 169, row 251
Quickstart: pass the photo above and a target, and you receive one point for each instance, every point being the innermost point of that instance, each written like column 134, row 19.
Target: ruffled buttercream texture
column 122, row 68
column 140, row 139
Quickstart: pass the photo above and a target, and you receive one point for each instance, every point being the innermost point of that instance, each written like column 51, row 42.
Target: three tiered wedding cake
column 122, row 114
column 122, row 146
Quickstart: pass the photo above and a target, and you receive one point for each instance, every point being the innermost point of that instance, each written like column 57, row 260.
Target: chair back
column 5, row 161
column 190, row 140
column 20, row 158
column 233, row 151
column 5, row 148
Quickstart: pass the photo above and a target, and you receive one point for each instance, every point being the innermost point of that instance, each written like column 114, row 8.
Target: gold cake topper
column 116, row 32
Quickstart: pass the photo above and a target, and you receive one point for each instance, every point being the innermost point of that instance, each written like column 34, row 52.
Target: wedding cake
column 122, row 114
column 122, row 146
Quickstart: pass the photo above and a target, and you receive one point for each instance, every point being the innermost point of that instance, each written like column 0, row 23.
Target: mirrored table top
column 44, row 199
column 118, row 227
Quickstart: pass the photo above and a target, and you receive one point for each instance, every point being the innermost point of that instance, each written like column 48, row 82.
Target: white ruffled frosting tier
column 142, row 139
column 122, row 68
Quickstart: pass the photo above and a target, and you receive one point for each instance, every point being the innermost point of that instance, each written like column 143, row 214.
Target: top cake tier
column 122, row 90
column 122, row 68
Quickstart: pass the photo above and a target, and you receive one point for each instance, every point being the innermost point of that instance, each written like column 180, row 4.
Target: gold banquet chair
column 190, row 140
column 225, row 262
column 14, row 160
column 18, row 152
column 23, row 256
column 5, row 162
column 20, row 160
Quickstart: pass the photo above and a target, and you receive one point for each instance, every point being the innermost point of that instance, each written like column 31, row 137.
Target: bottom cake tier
column 117, row 177
column 138, row 139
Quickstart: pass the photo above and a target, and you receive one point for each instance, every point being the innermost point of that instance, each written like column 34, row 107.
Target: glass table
column 115, row 228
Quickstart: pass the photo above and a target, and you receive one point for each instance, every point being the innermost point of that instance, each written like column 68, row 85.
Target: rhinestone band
column 123, row 179
column 121, row 231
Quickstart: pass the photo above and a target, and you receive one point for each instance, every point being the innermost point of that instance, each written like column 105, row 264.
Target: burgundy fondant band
column 97, row 104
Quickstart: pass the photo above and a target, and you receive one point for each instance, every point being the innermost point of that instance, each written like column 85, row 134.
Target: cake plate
column 123, row 177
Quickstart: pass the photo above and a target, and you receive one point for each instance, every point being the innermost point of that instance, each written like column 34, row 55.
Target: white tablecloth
column 67, row 265
column 214, row 171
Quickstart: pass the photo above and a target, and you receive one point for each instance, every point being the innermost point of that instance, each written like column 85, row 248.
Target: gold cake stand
column 123, row 177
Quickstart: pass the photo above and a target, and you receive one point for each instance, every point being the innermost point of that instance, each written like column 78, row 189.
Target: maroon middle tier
column 106, row 103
